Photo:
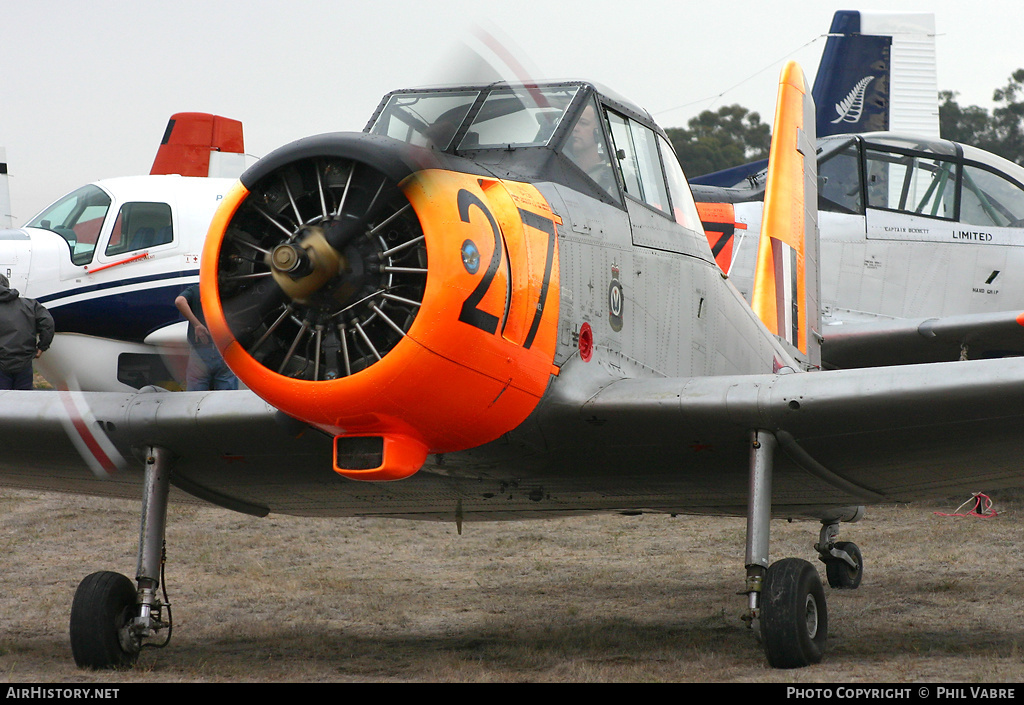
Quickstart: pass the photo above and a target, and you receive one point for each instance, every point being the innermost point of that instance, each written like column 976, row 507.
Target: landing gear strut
column 111, row 620
column 785, row 600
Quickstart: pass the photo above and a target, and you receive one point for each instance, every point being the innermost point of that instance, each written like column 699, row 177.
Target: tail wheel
column 103, row 607
column 794, row 617
column 322, row 269
column 840, row 574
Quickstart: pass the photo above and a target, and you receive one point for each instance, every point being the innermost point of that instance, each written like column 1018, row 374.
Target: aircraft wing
column 846, row 437
column 862, row 436
column 94, row 443
column 921, row 340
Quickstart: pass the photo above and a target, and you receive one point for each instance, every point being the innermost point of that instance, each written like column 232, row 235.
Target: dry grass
column 605, row 598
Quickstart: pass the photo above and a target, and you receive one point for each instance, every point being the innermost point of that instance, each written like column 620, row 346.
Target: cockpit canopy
column 572, row 133
column 917, row 176
column 507, row 117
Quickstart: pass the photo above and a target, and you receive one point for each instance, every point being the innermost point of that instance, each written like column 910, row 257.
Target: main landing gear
column 112, row 619
column 786, row 600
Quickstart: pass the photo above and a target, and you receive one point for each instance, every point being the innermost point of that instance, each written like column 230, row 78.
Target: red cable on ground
column 982, row 508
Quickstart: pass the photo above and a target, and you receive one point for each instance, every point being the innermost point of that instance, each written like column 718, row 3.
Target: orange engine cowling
column 383, row 294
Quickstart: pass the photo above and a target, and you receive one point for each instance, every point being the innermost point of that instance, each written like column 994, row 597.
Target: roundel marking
column 615, row 299
column 470, row 256
column 615, row 305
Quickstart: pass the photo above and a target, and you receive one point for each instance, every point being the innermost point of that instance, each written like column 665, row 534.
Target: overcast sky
column 87, row 87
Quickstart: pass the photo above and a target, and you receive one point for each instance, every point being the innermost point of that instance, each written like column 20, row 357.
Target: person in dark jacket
column 26, row 330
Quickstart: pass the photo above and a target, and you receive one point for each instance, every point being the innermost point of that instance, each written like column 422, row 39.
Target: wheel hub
column 811, row 615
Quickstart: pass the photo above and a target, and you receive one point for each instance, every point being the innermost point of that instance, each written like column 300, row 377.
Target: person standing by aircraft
column 26, row 331
column 206, row 368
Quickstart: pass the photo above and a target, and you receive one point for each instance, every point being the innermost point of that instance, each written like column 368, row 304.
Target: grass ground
column 602, row 598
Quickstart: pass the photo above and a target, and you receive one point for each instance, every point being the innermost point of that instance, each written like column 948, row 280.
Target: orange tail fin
column 786, row 281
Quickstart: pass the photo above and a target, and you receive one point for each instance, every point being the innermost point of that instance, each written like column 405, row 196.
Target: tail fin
column 5, row 193
column 786, row 282
column 719, row 221
column 877, row 73
column 200, row 144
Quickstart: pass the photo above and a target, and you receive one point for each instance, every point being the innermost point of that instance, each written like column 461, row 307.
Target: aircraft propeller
column 323, row 268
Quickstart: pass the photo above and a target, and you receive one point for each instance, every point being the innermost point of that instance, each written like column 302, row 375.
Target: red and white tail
column 200, row 144
column 786, row 282
column 719, row 221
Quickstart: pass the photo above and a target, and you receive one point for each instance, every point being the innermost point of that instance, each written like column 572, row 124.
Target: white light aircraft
column 109, row 258
column 877, row 73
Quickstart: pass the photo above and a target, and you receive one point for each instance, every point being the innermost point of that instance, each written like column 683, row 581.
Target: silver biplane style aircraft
column 495, row 303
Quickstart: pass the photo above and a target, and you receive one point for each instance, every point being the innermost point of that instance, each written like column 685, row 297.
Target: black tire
column 104, row 603
column 794, row 617
column 839, row 573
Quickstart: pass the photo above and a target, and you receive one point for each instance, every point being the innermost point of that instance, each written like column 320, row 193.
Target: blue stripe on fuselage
column 119, row 314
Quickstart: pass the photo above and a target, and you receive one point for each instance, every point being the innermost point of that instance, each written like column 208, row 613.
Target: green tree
column 725, row 138
column 1001, row 133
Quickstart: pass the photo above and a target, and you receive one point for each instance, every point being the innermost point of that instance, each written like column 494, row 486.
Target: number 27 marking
column 488, row 322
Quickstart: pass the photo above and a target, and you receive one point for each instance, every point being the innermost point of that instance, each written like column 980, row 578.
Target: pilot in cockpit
column 586, row 149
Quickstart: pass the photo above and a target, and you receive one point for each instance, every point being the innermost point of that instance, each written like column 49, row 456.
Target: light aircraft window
column 518, row 117
column 683, row 207
column 587, row 149
column 77, row 218
column 425, row 119
column 885, row 177
column 990, row 199
column 839, row 182
column 140, row 226
column 637, row 153
column 624, row 154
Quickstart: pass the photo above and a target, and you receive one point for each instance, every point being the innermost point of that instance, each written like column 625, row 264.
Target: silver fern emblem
column 851, row 107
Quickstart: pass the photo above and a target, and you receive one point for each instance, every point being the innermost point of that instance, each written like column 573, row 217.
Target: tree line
column 734, row 135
